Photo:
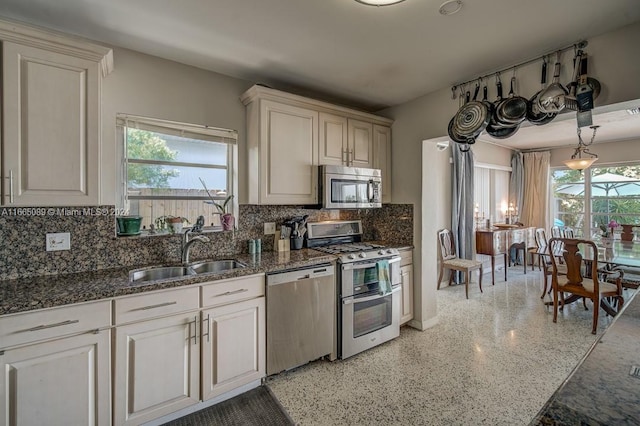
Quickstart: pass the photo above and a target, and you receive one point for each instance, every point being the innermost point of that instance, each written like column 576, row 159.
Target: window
column 491, row 192
column 164, row 165
column 587, row 200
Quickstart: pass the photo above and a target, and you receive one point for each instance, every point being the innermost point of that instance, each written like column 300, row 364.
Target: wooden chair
column 556, row 250
column 540, row 249
column 450, row 260
column 574, row 281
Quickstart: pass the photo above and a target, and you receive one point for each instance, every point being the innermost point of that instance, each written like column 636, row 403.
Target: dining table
column 612, row 256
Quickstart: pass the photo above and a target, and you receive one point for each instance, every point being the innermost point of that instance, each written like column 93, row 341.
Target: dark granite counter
column 602, row 390
column 48, row 291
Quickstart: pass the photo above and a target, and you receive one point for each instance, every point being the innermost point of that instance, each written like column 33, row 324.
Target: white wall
column 153, row 87
column 613, row 60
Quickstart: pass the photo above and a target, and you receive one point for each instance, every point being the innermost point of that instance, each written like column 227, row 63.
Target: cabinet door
column 233, row 351
column 157, row 368
column 61, row 382
column 333, row 139
column 51, row 127
column 406, row 314
column 289, row 154
column 382, row 158
column 360, row 143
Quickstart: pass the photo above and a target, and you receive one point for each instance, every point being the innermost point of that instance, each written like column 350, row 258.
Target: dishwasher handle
column 300, row 275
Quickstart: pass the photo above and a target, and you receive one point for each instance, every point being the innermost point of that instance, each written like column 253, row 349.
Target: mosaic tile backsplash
column 94, row 244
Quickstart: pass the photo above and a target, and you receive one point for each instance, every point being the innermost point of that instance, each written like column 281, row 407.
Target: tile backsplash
column 94, row 244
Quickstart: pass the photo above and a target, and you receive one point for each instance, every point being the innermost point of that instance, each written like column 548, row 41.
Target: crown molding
column 54, row 41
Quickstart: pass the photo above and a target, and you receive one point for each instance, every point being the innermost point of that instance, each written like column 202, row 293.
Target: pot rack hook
column 497, row 74
column 453, row 92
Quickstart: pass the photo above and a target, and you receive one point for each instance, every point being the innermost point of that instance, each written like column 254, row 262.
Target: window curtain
column 516, row 182
column 462, row 204
column 536, row 180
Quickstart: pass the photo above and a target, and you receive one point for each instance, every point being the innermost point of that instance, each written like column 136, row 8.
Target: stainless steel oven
column 369, row 314
column 350, row 187
column 368, row 308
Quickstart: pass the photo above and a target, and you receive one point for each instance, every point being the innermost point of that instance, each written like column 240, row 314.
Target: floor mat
column 256, row 407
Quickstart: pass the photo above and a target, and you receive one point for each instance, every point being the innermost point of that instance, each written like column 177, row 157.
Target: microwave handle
column 370, row 191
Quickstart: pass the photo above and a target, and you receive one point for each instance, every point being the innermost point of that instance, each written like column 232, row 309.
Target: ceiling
column 341, row 50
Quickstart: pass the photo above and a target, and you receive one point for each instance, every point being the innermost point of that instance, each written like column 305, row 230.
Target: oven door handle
column 355, row 266
column 353, row 300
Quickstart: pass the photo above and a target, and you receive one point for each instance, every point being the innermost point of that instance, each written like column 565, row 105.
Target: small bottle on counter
column 252, row 246
column 258, row 244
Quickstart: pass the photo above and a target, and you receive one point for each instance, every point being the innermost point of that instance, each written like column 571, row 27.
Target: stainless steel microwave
column 350, row 187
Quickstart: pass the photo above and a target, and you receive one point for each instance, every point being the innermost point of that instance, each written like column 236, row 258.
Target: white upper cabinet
column 288, row 136
column 51, row 117
column 360, row 152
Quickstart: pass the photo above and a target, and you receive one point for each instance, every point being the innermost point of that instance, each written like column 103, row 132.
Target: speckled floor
column 494, row 359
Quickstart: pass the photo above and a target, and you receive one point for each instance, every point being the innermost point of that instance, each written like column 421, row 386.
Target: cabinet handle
column 58, row 324
column 195, row 331
column 207, row 333
column 159, row 305
column 229, row 293
column 345, row 153
column 350, row 156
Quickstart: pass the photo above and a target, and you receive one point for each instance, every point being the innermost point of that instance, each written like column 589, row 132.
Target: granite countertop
column 602, row 390
column 26, row 294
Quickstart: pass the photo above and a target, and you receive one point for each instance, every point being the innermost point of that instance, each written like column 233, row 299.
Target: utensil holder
column 297, row 243
column 282, row 245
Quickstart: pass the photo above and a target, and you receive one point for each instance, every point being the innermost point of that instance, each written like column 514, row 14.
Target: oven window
column 371, row 315
column 365, row 280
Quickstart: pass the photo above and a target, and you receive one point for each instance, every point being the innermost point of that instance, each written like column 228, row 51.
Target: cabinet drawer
column 233, row 290
column 406, row 257
column 46, row 324
column 499, row 242
column 152, row 305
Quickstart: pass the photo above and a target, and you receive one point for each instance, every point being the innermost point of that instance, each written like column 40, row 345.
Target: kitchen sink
column 160, row 273
column 166, row 272
column 216, row 266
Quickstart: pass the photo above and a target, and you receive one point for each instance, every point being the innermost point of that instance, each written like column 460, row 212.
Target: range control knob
column 352, row 256
column 362, row 255
column 389, row 251
column 381, row 252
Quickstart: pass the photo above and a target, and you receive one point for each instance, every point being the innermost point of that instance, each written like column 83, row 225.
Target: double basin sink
column 166, row 272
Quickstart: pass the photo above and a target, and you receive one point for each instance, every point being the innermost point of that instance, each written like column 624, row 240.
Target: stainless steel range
column 368, row 285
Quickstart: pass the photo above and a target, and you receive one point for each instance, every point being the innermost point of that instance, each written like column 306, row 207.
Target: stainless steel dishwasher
column 300, row 316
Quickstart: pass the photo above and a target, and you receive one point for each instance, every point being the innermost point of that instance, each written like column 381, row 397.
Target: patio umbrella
column 604, row 185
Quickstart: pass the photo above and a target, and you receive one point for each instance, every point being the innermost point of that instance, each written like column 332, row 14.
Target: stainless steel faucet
column 187, row 243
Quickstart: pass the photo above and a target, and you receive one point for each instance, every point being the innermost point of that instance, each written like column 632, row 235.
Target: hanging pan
column 472, row 118
column 453, row 135
column 495, row 128
column 534, row 115
column 552, row 99
column 512, row 110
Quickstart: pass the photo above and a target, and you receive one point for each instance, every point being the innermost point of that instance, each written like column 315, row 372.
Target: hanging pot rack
column 459, row 86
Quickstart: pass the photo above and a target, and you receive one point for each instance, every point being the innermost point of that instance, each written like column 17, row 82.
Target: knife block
column 280, row 244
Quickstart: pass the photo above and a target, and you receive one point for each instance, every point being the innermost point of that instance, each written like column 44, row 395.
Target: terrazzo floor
column 494, row 359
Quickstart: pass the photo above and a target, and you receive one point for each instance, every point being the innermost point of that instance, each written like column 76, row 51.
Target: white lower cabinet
column 59, row 372
column 157, row 368
column 233, row 349
column 176, row 348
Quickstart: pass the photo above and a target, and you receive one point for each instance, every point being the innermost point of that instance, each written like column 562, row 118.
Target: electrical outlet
column 269, row 228
column 59, row 241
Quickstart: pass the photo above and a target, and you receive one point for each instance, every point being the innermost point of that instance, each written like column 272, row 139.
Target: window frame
column 193, row 131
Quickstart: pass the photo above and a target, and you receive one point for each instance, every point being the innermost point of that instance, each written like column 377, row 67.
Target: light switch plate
column 269, row 228
column 59, row 241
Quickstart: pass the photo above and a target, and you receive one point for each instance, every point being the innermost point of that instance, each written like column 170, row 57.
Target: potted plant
column 173, row 224
column 227, row 219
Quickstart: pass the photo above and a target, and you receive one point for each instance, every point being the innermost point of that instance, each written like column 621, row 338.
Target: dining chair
column 540, row 249
column 575, row 282
column 450, row 260
column 555, row 232
column 567, row 232
column 552, row 249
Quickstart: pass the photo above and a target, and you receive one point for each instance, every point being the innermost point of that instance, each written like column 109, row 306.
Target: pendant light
column 379, row 2
column 577, row 162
